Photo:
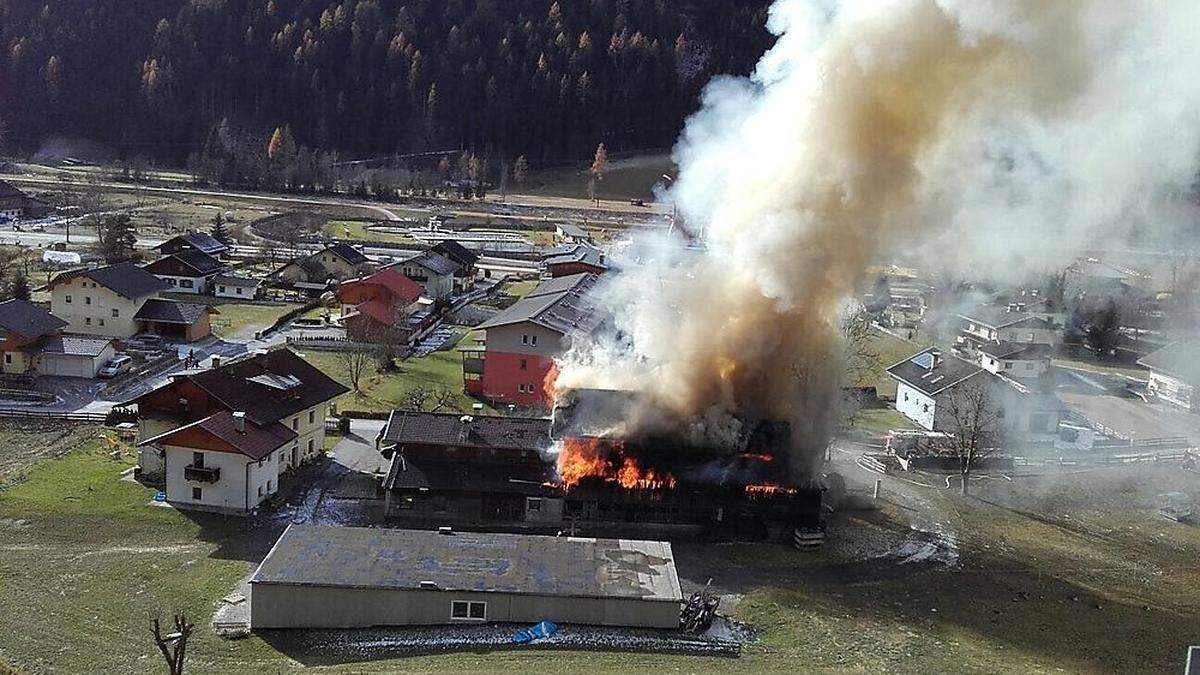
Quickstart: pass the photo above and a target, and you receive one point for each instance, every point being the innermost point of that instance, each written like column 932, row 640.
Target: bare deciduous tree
column 418, row 397
column 861, row 360
column 173, row 645
column 443, row 397
column 973, row 418
column 355, row 361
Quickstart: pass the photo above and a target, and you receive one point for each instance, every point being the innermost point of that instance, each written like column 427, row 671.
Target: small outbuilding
column 349, row 577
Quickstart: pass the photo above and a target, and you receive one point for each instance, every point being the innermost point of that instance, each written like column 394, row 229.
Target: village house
column 464, row 260
column 345, row 577
column 237, row 287
column 571, row 259
column 434, row 272
column 112, row 301
column 15, row 204
column 1016, row 359
column 570, row 233
column 374, row 307
column 31, row 342
column 188, row 271
column 443, row 463
column 1175, row 373
column 995, row 325
column 926, row 381
column 522, row 341
column 336, row 261
column 193, row 241
column 219, row 439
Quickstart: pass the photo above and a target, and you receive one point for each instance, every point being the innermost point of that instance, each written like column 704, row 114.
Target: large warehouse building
column 349, row 577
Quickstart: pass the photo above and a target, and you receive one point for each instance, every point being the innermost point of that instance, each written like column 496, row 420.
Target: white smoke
column 981, row 133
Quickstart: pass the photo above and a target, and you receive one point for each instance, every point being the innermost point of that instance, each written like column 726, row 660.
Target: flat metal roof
column 357, row 557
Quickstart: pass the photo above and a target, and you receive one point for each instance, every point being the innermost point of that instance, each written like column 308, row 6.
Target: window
column 312, row 416
column 524, row 339
column 259, row 490
column 533, row 340
column 295, row 423
column 88, row 320
column 116, row 313
column 221, row 288
column 311, row 445
column 198, row 460
column 533, row 503
column 68, row 298
column 464, row 610
column 101, row 322
column 186, row 283
column 1008, row 365
column 268, row 485
column 8, row 358
column 281, row 455
column 87, row 299
column 196, row 494
column 925, row 408
column 524, row 365
column 237, row 290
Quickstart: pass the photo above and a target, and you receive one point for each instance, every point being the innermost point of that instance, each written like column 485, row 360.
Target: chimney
column 465, row 429
column 936, row 360
column 239, row 422
column 216, row 361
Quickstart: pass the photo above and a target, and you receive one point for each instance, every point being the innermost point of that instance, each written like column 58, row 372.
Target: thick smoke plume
column 975, row 131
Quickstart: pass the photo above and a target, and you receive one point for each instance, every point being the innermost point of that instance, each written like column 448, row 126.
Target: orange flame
column 548, row 388
column 769, row 489
column 581, row 458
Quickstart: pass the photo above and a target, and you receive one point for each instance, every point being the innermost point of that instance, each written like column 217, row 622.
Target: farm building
column 348, row 577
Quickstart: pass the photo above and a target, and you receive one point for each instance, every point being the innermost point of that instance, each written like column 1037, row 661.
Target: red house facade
column 374, row 307
column 523, row 341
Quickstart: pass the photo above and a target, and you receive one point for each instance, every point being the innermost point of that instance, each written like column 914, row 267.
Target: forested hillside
column 501, row 78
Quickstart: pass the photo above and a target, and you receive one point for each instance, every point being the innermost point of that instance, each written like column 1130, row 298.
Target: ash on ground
column 327, row 647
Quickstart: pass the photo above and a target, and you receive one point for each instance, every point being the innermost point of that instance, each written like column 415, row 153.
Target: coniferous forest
column 543, row 79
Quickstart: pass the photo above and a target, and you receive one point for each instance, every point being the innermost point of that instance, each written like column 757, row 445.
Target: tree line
column 173, row 79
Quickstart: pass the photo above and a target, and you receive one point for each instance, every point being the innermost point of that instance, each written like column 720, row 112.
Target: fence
column 331, row 344
column 1103, row 460
column 61, row 416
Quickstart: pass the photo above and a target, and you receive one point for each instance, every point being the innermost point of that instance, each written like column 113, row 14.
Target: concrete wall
column 281, row 606
column 94, row 316
column 915, row 405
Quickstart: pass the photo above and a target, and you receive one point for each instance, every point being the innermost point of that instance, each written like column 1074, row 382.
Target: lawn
column 382, row 392
column 242, row 320
column 357, row 229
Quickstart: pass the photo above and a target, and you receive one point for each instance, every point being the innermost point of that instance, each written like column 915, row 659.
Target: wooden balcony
column 200, row 474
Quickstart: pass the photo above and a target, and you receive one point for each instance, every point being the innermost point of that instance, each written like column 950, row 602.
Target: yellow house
column 103, row 300
column 336, row 261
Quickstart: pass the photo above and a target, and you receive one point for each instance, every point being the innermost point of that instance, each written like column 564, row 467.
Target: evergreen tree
column 115, row 238
column 219, row 231
column 20, row 289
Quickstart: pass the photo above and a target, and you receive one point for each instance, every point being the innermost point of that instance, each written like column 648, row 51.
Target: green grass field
column 357, row 229
column 235, row 318
column 382, row 392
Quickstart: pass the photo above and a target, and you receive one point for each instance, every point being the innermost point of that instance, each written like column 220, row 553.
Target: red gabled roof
column 405, row 291
column 377, row 311
column 219, row 432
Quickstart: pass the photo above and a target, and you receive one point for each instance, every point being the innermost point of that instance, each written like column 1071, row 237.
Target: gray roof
column 930, row 371
column 195, row 261
column 200, row 241
column 557, row 304
column 75, row 345
column 574, row 253
column 572, row 230
column 170, row 311
column 515, row 433
column 1016, row 350
column 433, row 262
column 345, row 252
column 1180, row 360
column 125, row 279
column 380, row 558
column 232, row 280
column 1000, row 317
column 27, row 319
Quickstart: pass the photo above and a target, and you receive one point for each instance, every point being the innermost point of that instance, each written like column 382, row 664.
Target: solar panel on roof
column 924, row 360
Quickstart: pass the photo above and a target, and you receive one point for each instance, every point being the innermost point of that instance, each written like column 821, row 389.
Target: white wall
column 915, row 405
column 227, row 291
column 229, row 492
column 1171, row 390
column 94, row 317
column 198, row 285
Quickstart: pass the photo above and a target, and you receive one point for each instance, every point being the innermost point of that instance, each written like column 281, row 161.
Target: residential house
column 220, row 439
column 237, row 287
column 464, row 260
column 995, row 325
column 434, row 272
column 522, row 341
column 374, row 307
column 335, row 261
column 188, row 271
column 456, row 456
column 927, row 381
column 176, row 320
column 1021, row 360
column 106, row 301
column 573, row 259
column 193, row 241
column 570, row 233
column 16, row 204
column 31, row 342
column 1175, row 373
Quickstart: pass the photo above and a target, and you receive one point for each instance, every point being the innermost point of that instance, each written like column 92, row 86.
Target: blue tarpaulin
column 541, row 630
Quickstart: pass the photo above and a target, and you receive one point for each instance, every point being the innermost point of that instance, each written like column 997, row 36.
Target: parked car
column 116, row 365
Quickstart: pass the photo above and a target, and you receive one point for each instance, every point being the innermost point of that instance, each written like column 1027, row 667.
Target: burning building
column 579, row 471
